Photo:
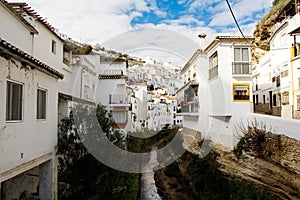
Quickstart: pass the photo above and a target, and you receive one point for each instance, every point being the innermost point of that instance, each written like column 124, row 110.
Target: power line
column 237, row 24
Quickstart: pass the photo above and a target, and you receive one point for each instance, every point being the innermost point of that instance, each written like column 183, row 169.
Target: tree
column 88, row 49
column 85, row 176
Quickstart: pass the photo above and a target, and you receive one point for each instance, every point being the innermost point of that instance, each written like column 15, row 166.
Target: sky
column 150, row 27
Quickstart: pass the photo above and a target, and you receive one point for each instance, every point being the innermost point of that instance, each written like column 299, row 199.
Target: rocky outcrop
column 265, row 28
column 278, row 170
column 269, row 161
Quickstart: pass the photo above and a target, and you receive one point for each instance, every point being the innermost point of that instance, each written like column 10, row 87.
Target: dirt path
column 148, row 187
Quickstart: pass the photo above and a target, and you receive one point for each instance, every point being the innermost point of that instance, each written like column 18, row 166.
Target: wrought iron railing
column 241, row 68
column 118, row 99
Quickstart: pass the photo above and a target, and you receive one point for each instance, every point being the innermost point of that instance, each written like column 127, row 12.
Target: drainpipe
column 32, row 43
column 81, row 81
column 293, row 54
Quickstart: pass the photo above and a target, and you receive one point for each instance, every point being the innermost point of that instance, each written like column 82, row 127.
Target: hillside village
column 44, row 74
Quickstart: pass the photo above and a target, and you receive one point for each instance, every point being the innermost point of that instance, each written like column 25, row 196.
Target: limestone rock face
column 279, row 172
column 265, row 28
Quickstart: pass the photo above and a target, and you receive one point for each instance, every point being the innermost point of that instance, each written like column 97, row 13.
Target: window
column 241, row 92
column 53, row 47
column 41, row 104
column 119, row 117
column 264, row 99
column 285, row 73
column 278, row 81
column 213, row 66
column 14, row 101
column 285, row 98
column 256, row 83
column 241, row 64
column 274, row 100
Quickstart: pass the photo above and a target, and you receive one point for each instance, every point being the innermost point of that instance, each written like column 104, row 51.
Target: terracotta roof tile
column 9, row 49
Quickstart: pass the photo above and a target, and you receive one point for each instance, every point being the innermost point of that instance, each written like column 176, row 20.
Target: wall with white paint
column 28, row 139
column 14, row 31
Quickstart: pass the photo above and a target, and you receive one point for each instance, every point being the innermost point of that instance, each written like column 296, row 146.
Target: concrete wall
column 276, row 125
column 25, row 140
column 14, row 31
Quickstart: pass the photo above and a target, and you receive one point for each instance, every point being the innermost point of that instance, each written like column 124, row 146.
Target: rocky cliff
column 277, row 168
column 265, row 28
column 268, row 161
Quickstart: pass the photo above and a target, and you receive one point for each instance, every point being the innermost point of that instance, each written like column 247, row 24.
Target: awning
column 295, row 32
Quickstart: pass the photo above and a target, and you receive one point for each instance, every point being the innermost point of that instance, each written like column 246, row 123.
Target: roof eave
column 30, row 28
column 13, row 52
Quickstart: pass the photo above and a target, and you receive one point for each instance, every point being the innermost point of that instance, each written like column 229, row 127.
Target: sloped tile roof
column 10, row 50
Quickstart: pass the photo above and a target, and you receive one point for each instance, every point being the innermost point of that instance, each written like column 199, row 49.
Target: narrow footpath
column 148, row 187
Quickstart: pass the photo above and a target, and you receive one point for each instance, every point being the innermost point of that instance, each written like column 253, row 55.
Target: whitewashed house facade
column 112, row 91
column 217, row 90
column 28, row 118
column 276, row 76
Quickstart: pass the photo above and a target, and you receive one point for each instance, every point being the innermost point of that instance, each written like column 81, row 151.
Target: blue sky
column 100, row 21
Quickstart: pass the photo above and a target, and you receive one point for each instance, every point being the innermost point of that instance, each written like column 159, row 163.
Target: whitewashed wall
column 30, row 137
column 14, row 31
column 277, row 125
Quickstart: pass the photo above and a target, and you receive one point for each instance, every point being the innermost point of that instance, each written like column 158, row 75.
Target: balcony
column 241, row 68
column 84, row 62
column 66, row 61
column 191, row 107
column 111, row 74
column 119, row 100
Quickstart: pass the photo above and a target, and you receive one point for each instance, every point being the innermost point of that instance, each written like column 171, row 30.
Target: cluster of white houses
column 42, row 76
column 222, row 84
column 276, row 77
column 154, row 105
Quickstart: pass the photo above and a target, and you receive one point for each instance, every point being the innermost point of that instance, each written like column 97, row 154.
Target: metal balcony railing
column 241, row 68
column 82, row 61
column 118, row 99
column 114, row 73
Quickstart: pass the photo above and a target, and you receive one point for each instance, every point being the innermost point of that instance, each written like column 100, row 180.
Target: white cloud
column 100, row 21
column 153, row 7
column 187, row 20
column 242, row 9
column 201, row 4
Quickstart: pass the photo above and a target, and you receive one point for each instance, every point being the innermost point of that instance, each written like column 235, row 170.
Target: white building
column 84, row 77
column 139, row 106
column 276, row 76
column 28, row 113
column 112, row 91
column 217, row 89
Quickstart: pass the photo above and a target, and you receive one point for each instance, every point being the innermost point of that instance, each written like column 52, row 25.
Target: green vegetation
column 113, row 59
column 81, row 176
column 88, row 49
column 191, row 177
column 275, row 2
column 257, row 141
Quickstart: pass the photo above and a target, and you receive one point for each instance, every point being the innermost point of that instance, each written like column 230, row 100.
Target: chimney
column 202, row 40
